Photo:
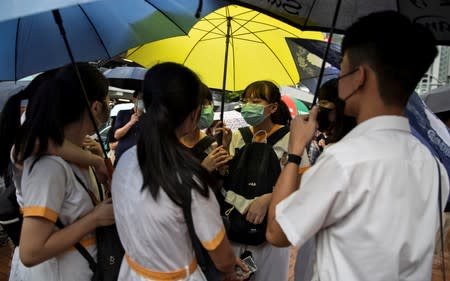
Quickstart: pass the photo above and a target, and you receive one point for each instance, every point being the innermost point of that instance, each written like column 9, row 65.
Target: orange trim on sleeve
column 302, row 170
column 212, row 244
column 85, row 243
column 161, row 276
column 39, row 211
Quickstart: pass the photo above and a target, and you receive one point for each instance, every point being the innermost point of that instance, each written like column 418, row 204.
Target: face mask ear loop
column 258, row 133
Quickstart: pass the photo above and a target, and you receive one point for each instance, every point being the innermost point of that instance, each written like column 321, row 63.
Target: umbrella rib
column 135, row 50
column 279, row 60
column 276, row 27
column 167, row 16
column 309, row 13
column 246, row 21
column 198, row 41
column 15, row 54
column 95, row 30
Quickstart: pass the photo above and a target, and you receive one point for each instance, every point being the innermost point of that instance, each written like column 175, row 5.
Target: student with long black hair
column 52, row 188
column 148, row 205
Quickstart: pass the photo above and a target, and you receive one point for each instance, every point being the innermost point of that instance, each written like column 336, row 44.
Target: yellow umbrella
column 253, row 43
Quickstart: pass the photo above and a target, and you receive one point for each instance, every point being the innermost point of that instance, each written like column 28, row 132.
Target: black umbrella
column 336, row 15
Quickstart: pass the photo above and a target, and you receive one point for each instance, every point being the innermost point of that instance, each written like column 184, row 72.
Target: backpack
column 10, row 216
column 110, row 251
column 253, row 172
column 198, row 150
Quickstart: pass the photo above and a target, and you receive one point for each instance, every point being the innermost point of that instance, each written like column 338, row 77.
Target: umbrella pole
column 325, row 56
column 224, row 82
column 59, row 22
column 225, row 66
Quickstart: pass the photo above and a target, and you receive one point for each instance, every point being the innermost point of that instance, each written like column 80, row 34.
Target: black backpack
column 253, row 172
column 10, row 216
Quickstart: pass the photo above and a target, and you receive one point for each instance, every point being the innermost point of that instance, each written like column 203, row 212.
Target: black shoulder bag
column 203, row 258
column 110, row 251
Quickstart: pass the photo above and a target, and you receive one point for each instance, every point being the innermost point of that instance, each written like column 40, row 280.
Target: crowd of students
column 366, row 208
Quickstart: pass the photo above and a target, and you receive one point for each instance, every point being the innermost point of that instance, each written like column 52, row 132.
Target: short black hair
column 399, row 51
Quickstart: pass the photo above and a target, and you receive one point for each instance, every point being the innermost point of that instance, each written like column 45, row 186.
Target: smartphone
column 250, row 264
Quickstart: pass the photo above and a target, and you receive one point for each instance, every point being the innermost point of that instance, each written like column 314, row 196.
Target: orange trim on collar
column 162, row 276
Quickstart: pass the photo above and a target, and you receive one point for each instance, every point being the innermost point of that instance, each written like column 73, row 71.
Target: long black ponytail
column 171, row 93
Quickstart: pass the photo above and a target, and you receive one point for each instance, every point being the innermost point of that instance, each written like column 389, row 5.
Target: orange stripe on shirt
column 212, row 244
column 85, row 243
column 39, row 211
column 302, row 170
column 158, row 275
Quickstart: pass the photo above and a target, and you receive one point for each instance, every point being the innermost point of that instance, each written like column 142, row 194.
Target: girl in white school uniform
column 150, row 183
column 264, row 110
column 51, row 188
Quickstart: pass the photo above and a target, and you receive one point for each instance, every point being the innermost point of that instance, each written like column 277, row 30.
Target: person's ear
column 96, row 106
column 361, row 75
column 273, row 107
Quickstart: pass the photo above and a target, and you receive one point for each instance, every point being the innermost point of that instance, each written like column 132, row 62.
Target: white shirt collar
column 384, row 122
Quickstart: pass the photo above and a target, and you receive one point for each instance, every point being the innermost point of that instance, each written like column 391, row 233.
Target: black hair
column 10, row 119
column 205, row 93
column 55, row 103
column 343, row 123
column 269, row 92
column 398, row 50
column 171, row 93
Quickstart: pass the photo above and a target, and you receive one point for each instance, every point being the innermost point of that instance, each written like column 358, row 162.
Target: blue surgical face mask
column 253, row 113
column 206, row 118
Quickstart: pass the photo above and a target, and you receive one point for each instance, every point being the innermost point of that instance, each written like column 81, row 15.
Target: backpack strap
column 82, row 250
column 247, row 134
column 278, row 135
column 199, row 148
column 441, row 228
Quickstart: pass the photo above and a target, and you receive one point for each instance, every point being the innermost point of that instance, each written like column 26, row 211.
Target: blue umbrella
column 20, row 8
column 126, row 77
column 95, row 30
column 429, row 129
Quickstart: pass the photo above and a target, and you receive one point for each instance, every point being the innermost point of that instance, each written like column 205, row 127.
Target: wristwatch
column 293, row 158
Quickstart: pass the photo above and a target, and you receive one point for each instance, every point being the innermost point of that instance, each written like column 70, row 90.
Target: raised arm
column 302, row 131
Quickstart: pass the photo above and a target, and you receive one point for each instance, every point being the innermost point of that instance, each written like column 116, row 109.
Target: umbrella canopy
column 295, row 106
column 10, row 88
column 318, row 14
column 95, row 30
column 126, row 77
column 308, row 56
column 252, row 42
column 438, row 100
column 20, row 8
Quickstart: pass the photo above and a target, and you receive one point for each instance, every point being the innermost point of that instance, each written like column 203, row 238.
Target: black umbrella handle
column 59, row 22
column 325, row 56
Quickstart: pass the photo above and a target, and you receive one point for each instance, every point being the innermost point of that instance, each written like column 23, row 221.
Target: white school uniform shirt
column 154, row 233
column 372, row 199
column 50, row 190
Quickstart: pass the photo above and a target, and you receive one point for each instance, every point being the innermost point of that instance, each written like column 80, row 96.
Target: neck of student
column 191, row 139
column 266, row 125
column 75, row 133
